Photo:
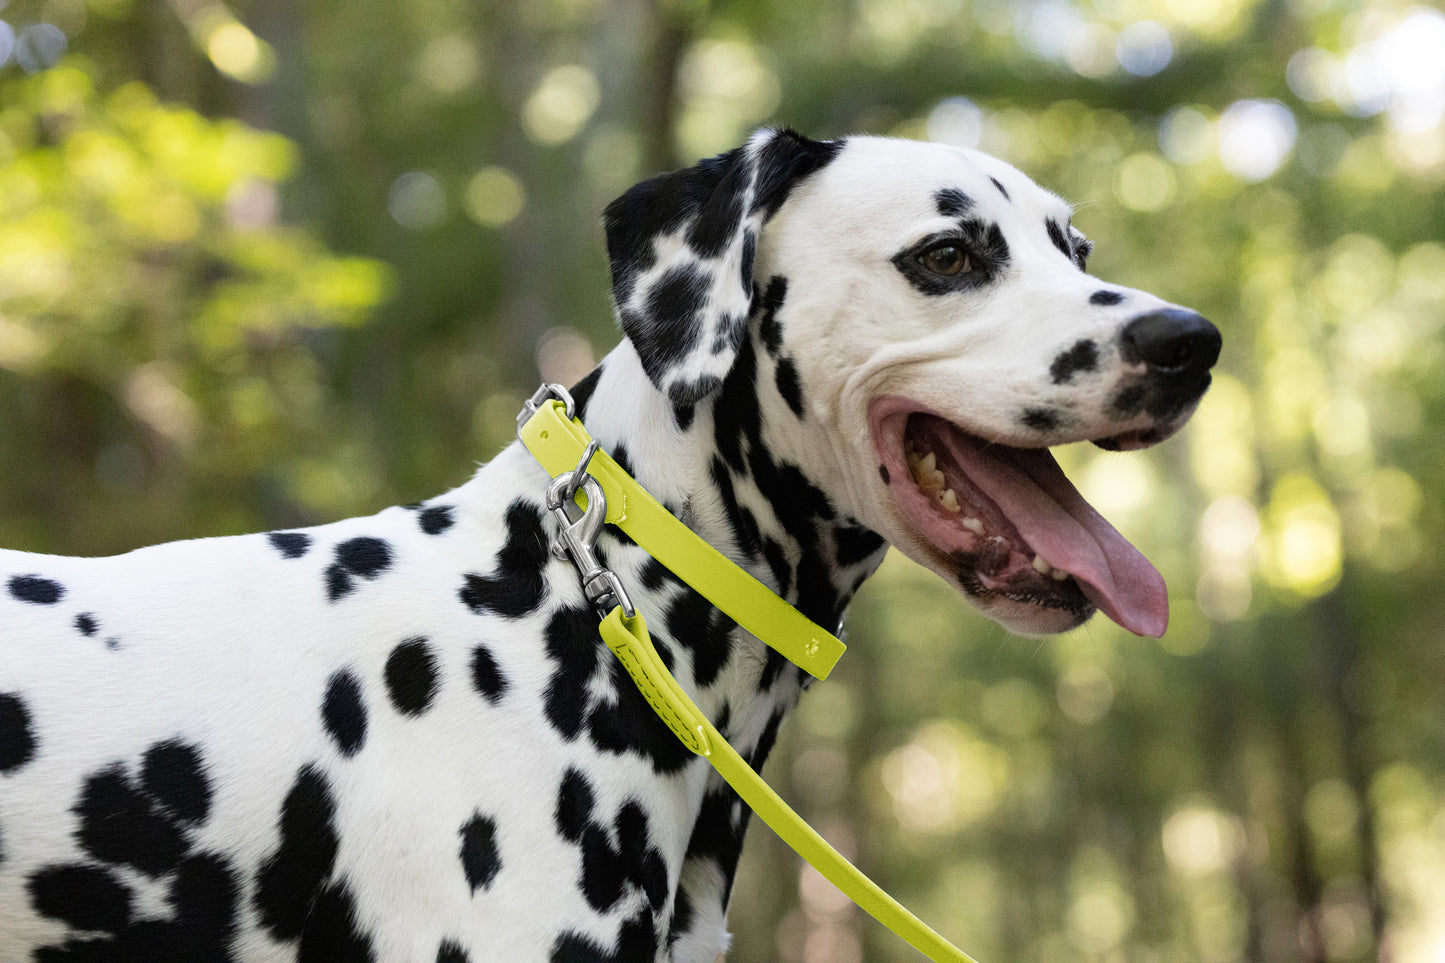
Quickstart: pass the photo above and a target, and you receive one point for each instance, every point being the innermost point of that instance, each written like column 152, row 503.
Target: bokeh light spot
column 1144, row 48
column 449, row 64
column 39, row 47
column 561, row 105
column 1186, row 135
column 957, row 121
column 1199, row 839
column 237, row 52
column 416, row 201
column 7, row 42
column 1144, row 182
column 1306, row 537
column 1255, row 137
column 495, row 197
column 1085, row 693
column 1311, row 74
column 1091, row 51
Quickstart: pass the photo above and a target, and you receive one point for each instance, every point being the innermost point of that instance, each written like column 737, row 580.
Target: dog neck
column 717, row 465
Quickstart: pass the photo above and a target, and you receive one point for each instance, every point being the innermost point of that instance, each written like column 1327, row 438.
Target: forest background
column 269, row 264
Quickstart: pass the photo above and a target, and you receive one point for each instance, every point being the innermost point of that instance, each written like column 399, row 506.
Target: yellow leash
column 563, row 447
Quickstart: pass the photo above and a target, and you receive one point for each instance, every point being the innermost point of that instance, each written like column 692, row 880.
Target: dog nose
column 1173, row 342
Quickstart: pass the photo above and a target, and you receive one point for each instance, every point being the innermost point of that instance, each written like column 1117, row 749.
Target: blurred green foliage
column 275, row 263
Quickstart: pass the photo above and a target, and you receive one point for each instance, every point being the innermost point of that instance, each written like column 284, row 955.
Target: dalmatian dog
column 400, row 738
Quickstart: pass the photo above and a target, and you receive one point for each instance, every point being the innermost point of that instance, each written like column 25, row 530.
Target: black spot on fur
column 436, row 519
column 769, row 329
column 952, row 202
column 637, row 940
column 344, row 713
column 716, row 835
column 630, row 725
column 786, row 159
column 683, row 414
column 1040, row 419
column 766, row 741
column 602, row 878
column 572, row 643
column 338, row 582
column 480, row 859
column 695, row 624
column 171, row 772
column 452, row 952
column 146, row 825
column 773, row 667
column 883, row 474
column 1105, row 297
column 608, row 871
column 789, row 386
column 487, row 677
column 517, row 586
column 682, row 916
column 583, row 390
column 290, row 544
column 856, row 544
column 85, row 897
column 575, row 800
column 994, row 181
column 750, row 248
column 86, row 624
column 35, row 589
column 364, row 556
column 745, row 526
column 717, row 223
column 669, row 326
column 17, row 740
column 642, row 863
column 1083, row 356
column 120, row 824
column 1128, row 402
column 777, row 558
column 292, row 877
column 411, row 676
column 684, row 394
column 202, row 896
column 331, row 933
column 1058, row 238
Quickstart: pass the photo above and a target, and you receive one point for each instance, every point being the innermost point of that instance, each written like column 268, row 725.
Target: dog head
column 924, row 314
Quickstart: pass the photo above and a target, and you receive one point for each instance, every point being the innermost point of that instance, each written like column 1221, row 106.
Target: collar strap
column 558, row 443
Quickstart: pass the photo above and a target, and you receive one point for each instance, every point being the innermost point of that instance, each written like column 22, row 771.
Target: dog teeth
column 926, row 473
column 949, row 501
column 973, row 525
column 1042, row 566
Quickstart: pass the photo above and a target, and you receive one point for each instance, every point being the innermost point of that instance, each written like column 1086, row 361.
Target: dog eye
column 946, row 259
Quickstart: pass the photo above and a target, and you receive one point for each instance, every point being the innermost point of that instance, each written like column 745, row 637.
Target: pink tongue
column 1032, row 491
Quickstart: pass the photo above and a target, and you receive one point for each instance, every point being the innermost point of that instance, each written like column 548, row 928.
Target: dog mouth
column 1008, row 525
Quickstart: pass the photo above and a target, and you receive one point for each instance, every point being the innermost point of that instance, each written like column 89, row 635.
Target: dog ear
column 681, row 247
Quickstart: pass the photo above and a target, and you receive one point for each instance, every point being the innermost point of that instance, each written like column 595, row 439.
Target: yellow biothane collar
column 557, row 442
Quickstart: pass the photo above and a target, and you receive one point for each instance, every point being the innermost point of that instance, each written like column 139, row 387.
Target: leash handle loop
column 629, row 640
